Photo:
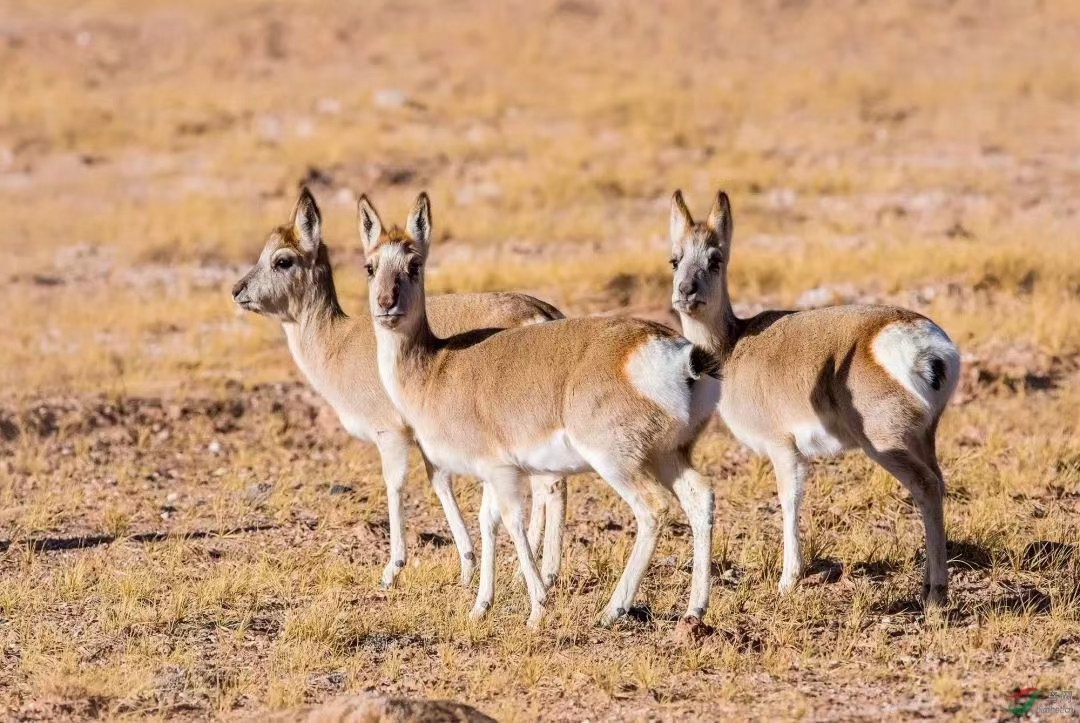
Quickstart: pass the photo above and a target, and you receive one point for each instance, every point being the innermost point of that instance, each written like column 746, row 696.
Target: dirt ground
column 185, row 531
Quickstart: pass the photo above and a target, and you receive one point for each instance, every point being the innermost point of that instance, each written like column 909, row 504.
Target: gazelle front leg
column 489, row 524
column 440, row 482
column 394, row 453
column 506, row 486
column 791, row 469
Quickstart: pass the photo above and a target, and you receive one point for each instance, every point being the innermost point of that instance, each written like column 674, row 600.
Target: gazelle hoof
column 935, row 595
column 479, row 610
column 608, row 618
column 466, row 572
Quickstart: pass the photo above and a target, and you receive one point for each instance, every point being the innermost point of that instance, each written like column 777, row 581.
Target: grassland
column 168, row 545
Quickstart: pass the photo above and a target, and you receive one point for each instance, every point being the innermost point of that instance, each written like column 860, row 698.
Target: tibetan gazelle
column 294, row 283
column 623, row 397
column 804, row 384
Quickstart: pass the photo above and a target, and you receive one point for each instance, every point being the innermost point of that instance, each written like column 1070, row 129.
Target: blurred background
column 187, row 532
column 924, row 152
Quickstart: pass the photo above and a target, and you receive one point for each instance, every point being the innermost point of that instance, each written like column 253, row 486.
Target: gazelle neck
column 404, row 352
column 716, row 329
column 311, row 329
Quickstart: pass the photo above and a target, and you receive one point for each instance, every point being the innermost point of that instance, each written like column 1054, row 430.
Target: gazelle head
column 292, row 268
column 395, row 263
column 699, row 257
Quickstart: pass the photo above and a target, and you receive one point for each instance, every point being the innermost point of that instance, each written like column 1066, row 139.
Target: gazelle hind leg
column 553, row 532
column 444, row 490
column 927, row 490
column 394, row 453
column 536, row 512
column 695, row 496
column 791, row 469
column 624, row 481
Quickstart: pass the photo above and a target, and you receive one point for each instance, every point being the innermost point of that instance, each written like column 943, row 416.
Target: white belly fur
column 554, row 455
column 811, row 438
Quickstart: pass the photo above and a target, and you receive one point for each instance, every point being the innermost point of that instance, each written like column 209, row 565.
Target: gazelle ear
column 367, row 220
column 719, row 218
column 720, row 221
column 307, row 222
column 418, row 225
column 680, row 218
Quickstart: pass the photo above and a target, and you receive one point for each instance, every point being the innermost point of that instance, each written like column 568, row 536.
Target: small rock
column 328, row 106
column 258, row 492
column 214, row 447
column 389, row 98
column 690, row 630
column 339, row 489
column 172, row 497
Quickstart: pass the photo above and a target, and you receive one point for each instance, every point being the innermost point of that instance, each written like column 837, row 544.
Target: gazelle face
column 699, row 256
column 278, row 283
column 395, row 264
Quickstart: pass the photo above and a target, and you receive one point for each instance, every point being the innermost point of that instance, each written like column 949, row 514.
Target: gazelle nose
column 387, row 300
column 687, row 288
column 239, row 288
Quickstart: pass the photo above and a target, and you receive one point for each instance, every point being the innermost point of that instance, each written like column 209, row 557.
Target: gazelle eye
column 414, row 269
column 370, row 271
column 283, row 262
column 714, row 263
column 674, row 263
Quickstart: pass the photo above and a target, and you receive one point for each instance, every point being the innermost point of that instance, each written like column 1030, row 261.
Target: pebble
column 389, row 98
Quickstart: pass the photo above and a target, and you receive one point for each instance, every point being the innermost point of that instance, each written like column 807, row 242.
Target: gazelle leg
column 507, row 487
column 553, row 532
column 489, row 524
column 791, row 469
column 394, row 453
column 696, row 498
column 441, row 483
column 927, row 490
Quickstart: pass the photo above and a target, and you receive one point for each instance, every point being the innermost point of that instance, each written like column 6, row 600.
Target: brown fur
column 336, row 353
column 799, row 384
column 615, row 395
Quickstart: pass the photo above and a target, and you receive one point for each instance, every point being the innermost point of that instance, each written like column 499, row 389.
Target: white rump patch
column 658, row 369
column 906, row 351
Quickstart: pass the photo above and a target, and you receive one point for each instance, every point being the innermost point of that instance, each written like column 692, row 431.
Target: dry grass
column 923, row 153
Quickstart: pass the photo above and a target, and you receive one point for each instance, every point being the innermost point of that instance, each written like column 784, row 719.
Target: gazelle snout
column 239, row 288
column 241, row 295
column 686, row 294
column 387, row 299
